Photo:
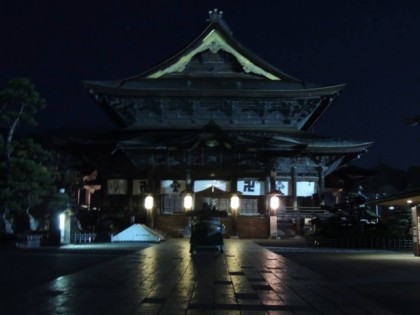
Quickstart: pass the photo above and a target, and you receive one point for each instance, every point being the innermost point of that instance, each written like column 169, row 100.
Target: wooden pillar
column 87, row 197
column 321, row 185
column 130, row 194
column 415, row 212
column 272, row 212
column 234, row 185
column 151, row 188
column 294, row 188
column 235, row 212
column 189, row 181
column 294, row 199
column 272, row 180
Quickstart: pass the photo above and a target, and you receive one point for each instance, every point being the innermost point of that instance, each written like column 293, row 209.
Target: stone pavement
column 166, row 279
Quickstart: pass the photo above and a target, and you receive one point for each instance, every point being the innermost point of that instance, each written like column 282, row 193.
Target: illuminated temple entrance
column 212, row 122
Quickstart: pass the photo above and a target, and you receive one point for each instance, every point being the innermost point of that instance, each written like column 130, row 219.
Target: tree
column 25, row 178
column 350, row 218
column 414, row 121
column 28, row 180
column 19, row 102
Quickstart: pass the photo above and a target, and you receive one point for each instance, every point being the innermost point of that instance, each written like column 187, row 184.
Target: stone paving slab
column 166, row 279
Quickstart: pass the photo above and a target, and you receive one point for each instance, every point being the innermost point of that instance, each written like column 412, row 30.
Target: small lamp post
column 62, row 225
column 274, row 203
column 148, row 204
column 188, row 201
column 234, row 205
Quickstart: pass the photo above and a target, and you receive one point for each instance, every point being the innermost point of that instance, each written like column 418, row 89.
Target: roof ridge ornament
column 216, row 16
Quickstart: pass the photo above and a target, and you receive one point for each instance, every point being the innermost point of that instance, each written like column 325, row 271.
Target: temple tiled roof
column 214, row 66
column 217, row 104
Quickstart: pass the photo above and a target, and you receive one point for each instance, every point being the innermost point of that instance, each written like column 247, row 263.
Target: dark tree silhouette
column 25, row 178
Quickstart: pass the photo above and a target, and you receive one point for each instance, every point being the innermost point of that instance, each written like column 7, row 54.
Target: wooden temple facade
column 212, row 121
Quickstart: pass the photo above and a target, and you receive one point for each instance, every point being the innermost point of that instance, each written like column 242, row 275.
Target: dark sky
column 372, row 46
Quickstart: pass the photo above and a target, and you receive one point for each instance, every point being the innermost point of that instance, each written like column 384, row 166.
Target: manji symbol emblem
column 142, row 186
column 175, row 186
column 249, row 185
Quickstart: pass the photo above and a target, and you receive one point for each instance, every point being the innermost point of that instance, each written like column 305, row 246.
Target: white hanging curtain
column 305, row 189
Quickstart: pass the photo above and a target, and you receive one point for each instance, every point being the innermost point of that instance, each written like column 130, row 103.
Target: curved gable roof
column 214, row 68
column 216, row 37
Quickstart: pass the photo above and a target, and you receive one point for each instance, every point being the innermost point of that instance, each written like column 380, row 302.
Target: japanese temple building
column 212, row 122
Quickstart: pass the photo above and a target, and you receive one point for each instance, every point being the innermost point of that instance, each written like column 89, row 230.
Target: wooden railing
column 172, row 224
column 246, row 226
column 253, row 226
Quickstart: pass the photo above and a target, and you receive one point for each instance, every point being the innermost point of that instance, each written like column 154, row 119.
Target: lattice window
column 171, row 203
column 248, row 207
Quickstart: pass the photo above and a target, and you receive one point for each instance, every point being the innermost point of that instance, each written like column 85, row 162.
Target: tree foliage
column 19, row 102
column 414, row 120
column 349, row 218
column 25, row 178
column 28, row 179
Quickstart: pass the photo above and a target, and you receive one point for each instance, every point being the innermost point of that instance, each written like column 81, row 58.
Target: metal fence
column 355, row 242
column 28, row 240
column 84, row 238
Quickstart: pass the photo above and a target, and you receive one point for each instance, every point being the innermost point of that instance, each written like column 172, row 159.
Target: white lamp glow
column 274, row 202
column 188, row 202
column 148, row 202
column 61, row 219
column 234, row 202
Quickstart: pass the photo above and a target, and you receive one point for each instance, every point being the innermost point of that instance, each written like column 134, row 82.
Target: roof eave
column 113, row 88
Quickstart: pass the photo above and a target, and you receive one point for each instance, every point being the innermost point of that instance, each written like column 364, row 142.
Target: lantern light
column 274, row 202
column 234, row 202
column 149, row 202
column 188, row 202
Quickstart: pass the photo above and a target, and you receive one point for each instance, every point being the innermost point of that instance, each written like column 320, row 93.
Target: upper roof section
column 214, row 78
column 216, row 53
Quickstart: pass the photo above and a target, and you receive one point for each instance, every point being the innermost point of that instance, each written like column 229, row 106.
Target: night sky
column 371, row 46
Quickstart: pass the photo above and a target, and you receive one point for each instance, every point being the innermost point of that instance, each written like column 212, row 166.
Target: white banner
column 251, row 187
column 140, row 186
column 117, row 186
column 200, row 185
column 172, row 186
column 305, row 189
column 282, row 186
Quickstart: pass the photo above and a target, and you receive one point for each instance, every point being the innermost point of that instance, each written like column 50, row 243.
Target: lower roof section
column 404, row 198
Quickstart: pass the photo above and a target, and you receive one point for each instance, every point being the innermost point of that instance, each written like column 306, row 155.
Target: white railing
column 305, row 210
column 80, row 238
column 360, row 242
column 29, row 241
